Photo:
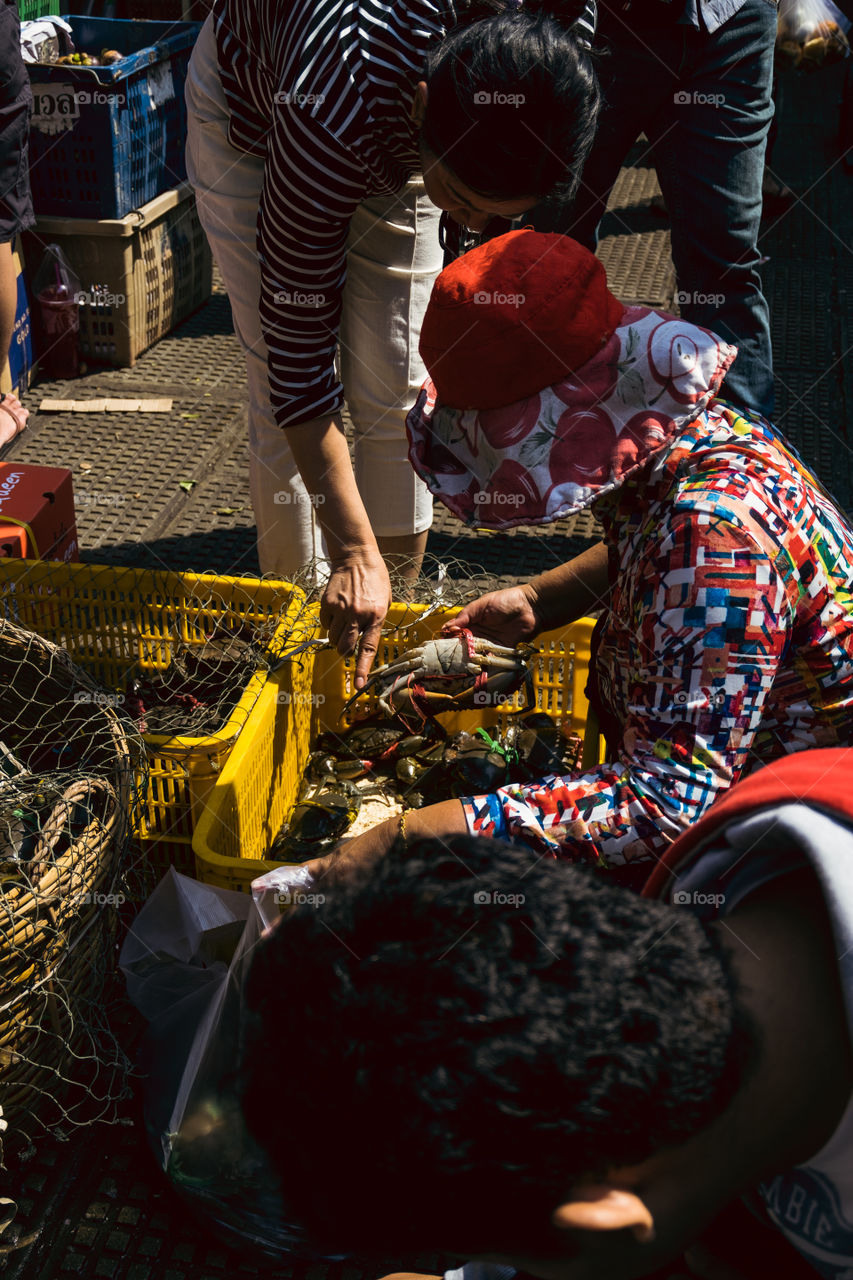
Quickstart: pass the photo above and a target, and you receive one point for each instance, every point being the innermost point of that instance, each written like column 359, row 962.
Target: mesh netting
column 121, row 694
column 70, row 768
column 427, row 585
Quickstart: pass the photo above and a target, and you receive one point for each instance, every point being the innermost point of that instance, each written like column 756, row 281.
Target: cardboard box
column 37, row 519
column 15, row 373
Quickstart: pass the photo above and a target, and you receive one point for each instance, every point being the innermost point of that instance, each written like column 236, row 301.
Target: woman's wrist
column 531, row 591
column 576, row 588
column 342, row 555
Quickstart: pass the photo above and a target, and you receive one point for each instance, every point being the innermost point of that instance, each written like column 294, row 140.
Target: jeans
column 704, row 101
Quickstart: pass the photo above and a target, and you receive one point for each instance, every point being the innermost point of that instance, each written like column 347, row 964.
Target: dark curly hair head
column 433, row 1063
column 513, row 99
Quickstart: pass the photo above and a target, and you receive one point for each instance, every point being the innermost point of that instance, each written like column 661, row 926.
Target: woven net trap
column 70, row 769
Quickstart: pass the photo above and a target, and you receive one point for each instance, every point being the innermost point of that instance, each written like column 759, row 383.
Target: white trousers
column 393, row 258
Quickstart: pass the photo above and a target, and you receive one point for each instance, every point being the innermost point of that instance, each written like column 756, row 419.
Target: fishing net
column 122, row 692
column 186, row 657
column 425, row 586
column 70, row 772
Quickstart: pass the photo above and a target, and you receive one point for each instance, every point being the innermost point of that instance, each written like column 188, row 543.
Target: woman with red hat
column 726, row 638
column 325, row 137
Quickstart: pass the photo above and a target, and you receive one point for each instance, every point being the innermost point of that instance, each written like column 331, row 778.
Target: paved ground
column 94, row 1206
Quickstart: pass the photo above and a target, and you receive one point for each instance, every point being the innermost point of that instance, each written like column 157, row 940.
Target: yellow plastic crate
column 259, row 784
column 113, row 621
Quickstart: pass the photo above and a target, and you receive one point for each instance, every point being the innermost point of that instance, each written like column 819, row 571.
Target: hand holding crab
column 507, row 617
column 449, row 673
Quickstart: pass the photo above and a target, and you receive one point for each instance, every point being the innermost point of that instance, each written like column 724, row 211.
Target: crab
column 450, row 673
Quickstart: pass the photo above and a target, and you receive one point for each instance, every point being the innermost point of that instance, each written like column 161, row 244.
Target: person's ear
column 419, row 103
column 599, row 1207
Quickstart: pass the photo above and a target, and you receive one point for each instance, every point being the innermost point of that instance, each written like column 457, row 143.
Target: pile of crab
column 402, row 757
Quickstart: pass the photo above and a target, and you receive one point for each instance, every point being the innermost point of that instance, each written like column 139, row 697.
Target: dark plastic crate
column 105, row 140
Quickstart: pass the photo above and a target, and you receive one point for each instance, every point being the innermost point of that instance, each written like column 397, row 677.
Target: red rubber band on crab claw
column 416, row 692
column 469, row 641
column 480, row 680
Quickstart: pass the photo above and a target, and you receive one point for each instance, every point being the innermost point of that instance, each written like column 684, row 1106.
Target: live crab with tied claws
column 449, row 673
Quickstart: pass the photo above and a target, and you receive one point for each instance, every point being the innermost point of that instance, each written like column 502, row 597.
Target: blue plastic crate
column 105, row 140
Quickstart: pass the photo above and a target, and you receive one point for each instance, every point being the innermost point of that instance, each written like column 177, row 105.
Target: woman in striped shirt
column 325, row 138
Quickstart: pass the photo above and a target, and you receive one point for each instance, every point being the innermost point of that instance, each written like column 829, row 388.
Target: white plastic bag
column 45, row 40
column 811, row 33
column 279, row 888
column 185, row 960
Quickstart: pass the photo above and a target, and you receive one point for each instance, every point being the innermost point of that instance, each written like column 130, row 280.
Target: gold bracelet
column 401, row 830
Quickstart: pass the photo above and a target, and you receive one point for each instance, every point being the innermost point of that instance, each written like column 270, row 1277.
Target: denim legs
column 704, row 101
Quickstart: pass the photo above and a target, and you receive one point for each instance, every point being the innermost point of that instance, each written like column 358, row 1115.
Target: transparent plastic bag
column 58, row 295
column 185, row 961
column 811, row 33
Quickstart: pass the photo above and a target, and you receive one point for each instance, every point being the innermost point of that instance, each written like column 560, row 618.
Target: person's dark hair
column 512, row 99
column 432, row 1062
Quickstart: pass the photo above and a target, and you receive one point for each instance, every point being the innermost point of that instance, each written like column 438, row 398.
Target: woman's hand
column 356, row 599
column 506, row 617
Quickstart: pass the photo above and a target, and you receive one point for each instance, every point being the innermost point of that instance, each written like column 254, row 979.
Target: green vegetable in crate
column 323, row 813
column 450, row 673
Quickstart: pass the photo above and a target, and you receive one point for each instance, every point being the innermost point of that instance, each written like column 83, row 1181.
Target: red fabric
column 823, row 779
column 513, row 316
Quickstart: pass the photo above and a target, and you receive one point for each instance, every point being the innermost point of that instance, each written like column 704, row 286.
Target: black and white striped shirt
column 322, row 89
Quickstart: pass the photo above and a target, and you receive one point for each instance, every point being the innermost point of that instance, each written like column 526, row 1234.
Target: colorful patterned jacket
column 728, row 642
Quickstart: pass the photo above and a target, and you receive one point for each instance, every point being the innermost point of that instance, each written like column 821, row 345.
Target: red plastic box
column 37, row 518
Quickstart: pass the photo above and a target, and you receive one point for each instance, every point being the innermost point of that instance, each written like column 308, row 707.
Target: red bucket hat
column 546, row 392
column 497, row 328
